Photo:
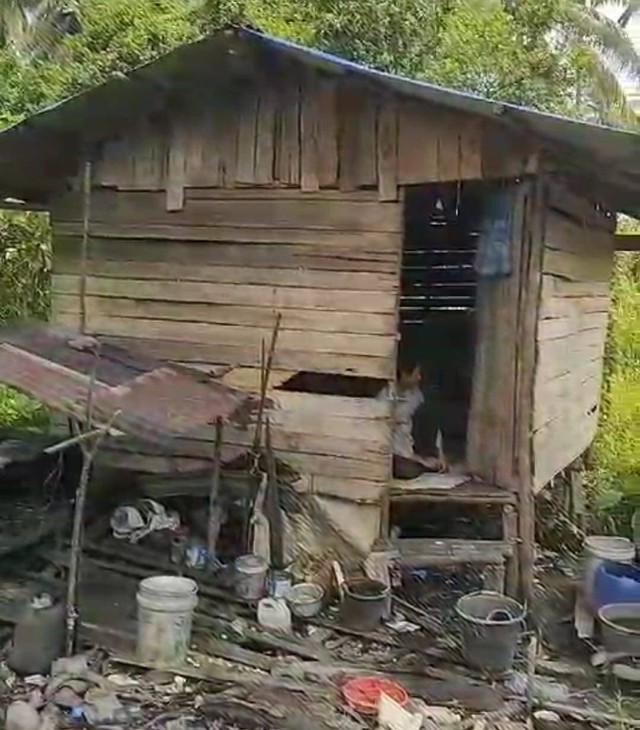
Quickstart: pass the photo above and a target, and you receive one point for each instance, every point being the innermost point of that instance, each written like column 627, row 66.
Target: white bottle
column 274, row 615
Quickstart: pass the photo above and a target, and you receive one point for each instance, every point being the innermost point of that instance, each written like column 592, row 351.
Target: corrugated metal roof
column 609, row 158
column 150, row 401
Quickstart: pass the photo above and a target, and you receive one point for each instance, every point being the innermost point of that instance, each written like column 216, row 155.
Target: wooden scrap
column 288, row 644
column 237, row 654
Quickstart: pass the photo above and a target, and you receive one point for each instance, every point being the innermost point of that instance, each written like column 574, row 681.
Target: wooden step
column 428, row 488
column 446, row 552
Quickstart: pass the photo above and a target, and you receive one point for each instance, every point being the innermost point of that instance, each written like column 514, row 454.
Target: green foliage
column 116, row 36
column 25, row 257
column 615, row 473
column 25, row 263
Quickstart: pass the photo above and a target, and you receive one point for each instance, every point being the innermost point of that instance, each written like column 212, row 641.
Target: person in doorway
column 406, row 396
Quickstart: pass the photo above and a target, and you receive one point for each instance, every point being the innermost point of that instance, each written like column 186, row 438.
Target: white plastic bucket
column 251, row 577
column 165, row 615
column 597, row 549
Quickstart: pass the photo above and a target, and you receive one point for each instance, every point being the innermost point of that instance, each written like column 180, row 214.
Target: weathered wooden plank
column 575, row 393
column 376, row 456
column 566, row 234
column 226, row 132
column 579, row 267
column 559, row 441
column 559, row 307
column 553, row 286
column 145, row 208
column 417, row 146
column 555, row 357
column 136, row 161
column 261, row 256
column 506, row 154
column 357, row 140
column 553, row 329
column 353, row 241
column 242, row 356
column 247, row 111
column 326, row 107
column 274, row 298
column 447, row 129
column 310, row 139
column 579, row 207
column 176, row 163
column 627, row 241
column 292, row 319
column 206, row 333
column 314, row 403
column 353, row 490
column 287, row 164
column 204, row 136
column 265, row 136
column 388, row 150
column 334, row 280
column 471, row 138
column 280, row 193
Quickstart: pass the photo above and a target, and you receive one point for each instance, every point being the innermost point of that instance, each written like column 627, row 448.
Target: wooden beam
column 627, row 241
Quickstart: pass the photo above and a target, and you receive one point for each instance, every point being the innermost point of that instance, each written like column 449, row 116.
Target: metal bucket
column 364, row 604
column 491, row 627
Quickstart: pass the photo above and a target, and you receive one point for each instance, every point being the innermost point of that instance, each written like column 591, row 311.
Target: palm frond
column 591, row 27
column 606, row 92
column 632, row 8
column 32, row 27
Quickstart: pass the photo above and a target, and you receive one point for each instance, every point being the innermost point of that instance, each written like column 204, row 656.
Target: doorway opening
column 437, row 308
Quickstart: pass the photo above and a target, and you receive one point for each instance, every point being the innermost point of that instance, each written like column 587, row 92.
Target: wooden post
column 213, row 526
column 88, row 452
column 274, row 513
column 86, row 217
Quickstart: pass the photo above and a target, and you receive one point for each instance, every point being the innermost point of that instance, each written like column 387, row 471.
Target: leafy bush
column 25, row 264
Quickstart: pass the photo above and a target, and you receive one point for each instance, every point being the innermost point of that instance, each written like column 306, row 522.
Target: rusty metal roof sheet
column 145, row 399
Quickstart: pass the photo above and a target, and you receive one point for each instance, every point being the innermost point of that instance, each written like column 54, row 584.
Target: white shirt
column 405, row 404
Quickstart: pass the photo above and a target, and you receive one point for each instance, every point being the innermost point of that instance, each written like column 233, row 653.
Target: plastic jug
column 274, row 615
column 38, row 637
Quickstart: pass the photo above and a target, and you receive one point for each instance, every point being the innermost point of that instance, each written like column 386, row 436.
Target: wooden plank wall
column 572, row 328
column 277, row 195
column 309, row 132
column 206, row 291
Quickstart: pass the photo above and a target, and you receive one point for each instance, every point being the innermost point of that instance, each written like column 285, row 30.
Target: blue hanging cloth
column 493, row 257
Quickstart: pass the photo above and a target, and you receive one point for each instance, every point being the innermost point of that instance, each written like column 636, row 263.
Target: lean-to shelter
column 241, row 176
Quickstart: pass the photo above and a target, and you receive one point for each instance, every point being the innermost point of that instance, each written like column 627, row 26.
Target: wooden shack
column 242, row 176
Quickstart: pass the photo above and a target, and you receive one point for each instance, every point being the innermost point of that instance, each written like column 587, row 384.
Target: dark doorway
column 437, row 307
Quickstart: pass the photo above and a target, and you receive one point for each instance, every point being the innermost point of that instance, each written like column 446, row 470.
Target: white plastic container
column 250, row 577
column 597, row 549
column 165, row 616
column 274, row 615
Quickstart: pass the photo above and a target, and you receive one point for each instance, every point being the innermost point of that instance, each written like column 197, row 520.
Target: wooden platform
column 437, row 488
column 443, row 552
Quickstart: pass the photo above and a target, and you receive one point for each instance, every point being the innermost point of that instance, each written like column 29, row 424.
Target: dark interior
column 437, row 307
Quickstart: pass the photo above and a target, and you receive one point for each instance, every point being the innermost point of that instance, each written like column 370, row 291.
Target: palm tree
column 33, row 27
column 605, row 50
